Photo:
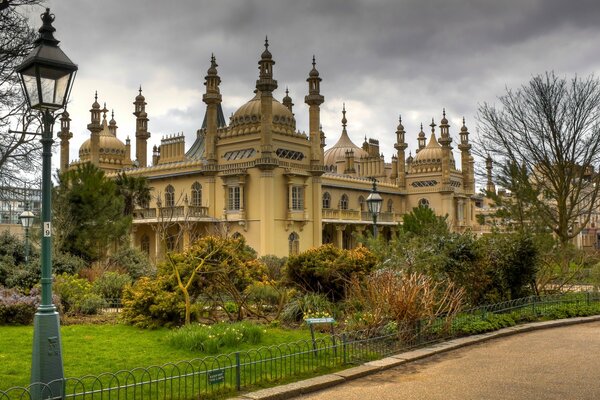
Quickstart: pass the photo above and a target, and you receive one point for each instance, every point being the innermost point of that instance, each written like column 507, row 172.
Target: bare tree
column 545, row 138
column 18, row 151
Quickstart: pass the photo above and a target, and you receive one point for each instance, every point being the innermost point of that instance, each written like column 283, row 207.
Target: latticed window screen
column 233, row 202
column 344, row 202
column 170, row 196
column 196, row 194
column 326, row 200
column 297, row 198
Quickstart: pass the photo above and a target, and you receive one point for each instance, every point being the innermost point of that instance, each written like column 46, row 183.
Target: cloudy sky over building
column 381, row 58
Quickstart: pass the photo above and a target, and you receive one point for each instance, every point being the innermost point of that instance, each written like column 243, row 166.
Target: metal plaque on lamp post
column 47, row 76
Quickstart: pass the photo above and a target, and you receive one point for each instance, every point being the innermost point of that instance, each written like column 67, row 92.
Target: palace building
column 258, row 176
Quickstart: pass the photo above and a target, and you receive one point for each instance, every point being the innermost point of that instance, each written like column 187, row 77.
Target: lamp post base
column 47, row 374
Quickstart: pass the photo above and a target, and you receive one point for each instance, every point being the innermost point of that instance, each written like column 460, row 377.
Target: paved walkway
column 558, row 363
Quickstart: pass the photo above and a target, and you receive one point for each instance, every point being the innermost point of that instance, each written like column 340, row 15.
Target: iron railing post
column 238, row 372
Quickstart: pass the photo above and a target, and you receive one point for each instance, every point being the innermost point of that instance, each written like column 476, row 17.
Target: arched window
column 196, row 194
column 294, row 243
column 361, row 203
column 326, row 200
column 344, row 202
column 145, row 244
column 170, row 196
column 390, row 206
column 424, row 203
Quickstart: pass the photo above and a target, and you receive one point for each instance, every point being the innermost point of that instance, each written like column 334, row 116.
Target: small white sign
column 47, row 229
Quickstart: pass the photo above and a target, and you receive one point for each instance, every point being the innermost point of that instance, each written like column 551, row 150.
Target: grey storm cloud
column 382, row 57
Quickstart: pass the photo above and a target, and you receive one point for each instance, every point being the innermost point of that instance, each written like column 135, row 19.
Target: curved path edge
column 325, row 381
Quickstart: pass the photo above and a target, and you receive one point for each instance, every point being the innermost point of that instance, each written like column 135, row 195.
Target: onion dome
column 246, row 120
column 344, row 144
column 213, row 66
column 96, row 105
column 266, row 55
column 444, row 121
column 400, row 127
column 140, row 96
column 111, row 151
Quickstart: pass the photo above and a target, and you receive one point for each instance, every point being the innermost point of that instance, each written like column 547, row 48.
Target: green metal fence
column 225, row 374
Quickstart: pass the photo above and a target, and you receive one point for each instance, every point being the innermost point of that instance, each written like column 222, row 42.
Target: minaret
column 466, row 160
column 287, row 101
column 212, row 99
column 314, row 99
column 445, row 141
column 266, row 85
column 421, row 139
column 141, row 129
column 490, row 187
column 112, row 125
column 94, row 127
column 401, row 146
column 65, row 134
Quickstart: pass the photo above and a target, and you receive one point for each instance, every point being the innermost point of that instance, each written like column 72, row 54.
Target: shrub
column 15, row 308
column 275, row 266
column 132, row 261
column 308, row 305
column 76, row 295
column 65, row 263
column 110, row 285
column 327, row 269
column 153, row 303
column 24, row 277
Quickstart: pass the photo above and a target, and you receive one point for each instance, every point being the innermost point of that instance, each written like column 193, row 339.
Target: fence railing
column 228, row 373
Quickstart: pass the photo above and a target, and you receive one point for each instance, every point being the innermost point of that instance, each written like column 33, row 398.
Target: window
column 390, row 206
column 196, row 194
column 297, row 198
column 145, row 244
column 344, row 202
column 169, row 196
column 424, row 203
column 326, row 200
column 294, row 243
column 361, row 203
column 233, row 199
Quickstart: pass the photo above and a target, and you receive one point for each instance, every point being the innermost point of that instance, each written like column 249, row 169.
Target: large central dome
column 246, row 120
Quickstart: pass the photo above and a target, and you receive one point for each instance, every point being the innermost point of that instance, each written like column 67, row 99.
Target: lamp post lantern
column 26, row 218
column 47, row 76
column 374, row 204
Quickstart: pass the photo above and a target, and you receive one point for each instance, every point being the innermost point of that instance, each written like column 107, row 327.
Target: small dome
column 431, row 154
column 400, row 127
column 140, row 96
column 110, row 149
column 338, row 151
column 246, row 119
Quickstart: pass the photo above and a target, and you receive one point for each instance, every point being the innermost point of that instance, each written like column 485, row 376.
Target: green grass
column 94, row 349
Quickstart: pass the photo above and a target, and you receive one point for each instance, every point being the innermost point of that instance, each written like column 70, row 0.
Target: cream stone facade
column 259, row 177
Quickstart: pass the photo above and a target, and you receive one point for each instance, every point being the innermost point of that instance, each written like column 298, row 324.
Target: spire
column 314, row 81
column 421, row 138
column 344, row 120
column 287, row 100
column 265, row 82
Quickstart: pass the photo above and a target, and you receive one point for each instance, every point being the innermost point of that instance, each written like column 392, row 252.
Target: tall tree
column 545, row 136
column 90, row 211
column 18, row 151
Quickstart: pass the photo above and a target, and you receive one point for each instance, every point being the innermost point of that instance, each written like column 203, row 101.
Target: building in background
column 258, row 176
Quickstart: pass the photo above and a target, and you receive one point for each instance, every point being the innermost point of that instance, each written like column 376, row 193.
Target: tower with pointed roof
column 445, row 141
column 65, row 135
column 212, row 99
column 141, row 129
column 401, row 146
column 94, row 127
column 265, row 85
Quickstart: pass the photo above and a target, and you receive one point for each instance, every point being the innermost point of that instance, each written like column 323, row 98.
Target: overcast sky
column 381, row 57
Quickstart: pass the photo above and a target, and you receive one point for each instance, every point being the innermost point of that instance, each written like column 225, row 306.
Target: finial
column 47, row 30
column 344, row 120
column 314, row 62
column 421, row 126
column 463, row 120
column 266, row 42
column 444, row 112
column 140, row 89
column 112, row 114
column 400, row 118
column 287, row 92
column 96, row 96
column 432, row 125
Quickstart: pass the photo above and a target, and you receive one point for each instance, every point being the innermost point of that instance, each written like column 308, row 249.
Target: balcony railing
column 189, row 213
column 362, row 216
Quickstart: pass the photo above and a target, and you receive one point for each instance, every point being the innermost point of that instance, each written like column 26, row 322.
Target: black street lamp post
column 47, row 76
column 374, row 204
column 26, row 218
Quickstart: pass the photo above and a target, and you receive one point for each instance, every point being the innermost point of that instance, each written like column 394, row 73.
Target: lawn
column 93, row 349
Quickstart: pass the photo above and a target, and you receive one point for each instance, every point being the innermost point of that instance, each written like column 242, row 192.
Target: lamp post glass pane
column 46, row 87
column 30, row 85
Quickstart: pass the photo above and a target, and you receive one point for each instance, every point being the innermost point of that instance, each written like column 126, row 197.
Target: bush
column 307, row 305
column 213, row 338
column 132, row 261
column 327, row 269
column 24, row 277
column 275, row 266
column 65, row 263
column 76, row 295
column 153, row 303
column 15, row 308
column 110, row 285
